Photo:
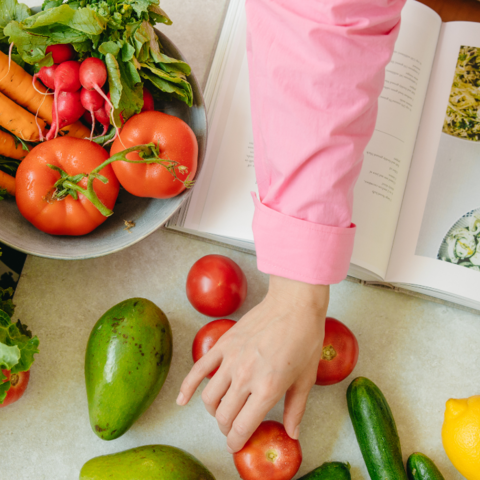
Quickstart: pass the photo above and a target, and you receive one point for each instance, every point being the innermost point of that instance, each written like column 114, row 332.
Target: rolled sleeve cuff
column 299, row 249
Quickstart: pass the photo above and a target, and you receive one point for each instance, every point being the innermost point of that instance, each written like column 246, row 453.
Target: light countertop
column 419, row 353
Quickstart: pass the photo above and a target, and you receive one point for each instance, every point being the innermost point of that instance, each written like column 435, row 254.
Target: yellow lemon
column 461, row 435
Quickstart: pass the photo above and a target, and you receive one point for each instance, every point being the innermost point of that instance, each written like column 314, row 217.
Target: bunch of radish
column 78, row 91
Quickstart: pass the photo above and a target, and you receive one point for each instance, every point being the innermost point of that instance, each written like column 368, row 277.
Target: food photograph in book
column 450, row 229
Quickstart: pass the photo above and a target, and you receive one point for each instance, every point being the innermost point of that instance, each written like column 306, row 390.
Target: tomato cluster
column 58, row 196
column 216, row 286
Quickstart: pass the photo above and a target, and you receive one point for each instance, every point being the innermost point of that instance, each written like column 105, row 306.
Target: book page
column 437, row 244
column 381, row 185
column 221, row 203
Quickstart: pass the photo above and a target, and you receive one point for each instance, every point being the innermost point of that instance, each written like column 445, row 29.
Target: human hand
column 272, row 350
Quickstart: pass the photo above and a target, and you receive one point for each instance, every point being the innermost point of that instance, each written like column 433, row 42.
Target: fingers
column 229, row 408
column 199, row 371
column 215, row 390
column 295, row 405
column 254, row 411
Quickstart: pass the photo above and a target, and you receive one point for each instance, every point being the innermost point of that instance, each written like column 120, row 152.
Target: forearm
column 316, row 71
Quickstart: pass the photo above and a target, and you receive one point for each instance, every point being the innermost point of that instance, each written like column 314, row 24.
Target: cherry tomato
column 35, row 186
column 19, row 382
column 207, row 337
column 340, row 353
column 269, row 454
column 216, row 286
column 177, row 143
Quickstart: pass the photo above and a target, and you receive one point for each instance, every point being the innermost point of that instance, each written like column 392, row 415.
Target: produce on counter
column 38, row 185
column 339, row 355
column 17, row 350
column 375, row 430
column 208, row 336
column 216, row 286
column 461, row 435
column 329, row 471
column 151, row 462
column 269, row 454
column 126, row 363
column 176, row 143
column 420, row 467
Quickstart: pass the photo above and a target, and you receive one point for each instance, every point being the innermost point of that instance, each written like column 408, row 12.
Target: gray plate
column 148, row 213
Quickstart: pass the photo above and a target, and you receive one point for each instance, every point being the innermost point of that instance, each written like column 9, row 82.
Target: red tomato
column 35, row 186
column 19, row 382
column 340, row 353
column 269, row 454
column 177, row 143
column 208, row 336
column 216, row 286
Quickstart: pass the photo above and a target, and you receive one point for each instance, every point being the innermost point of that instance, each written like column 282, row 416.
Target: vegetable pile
column 79, row 63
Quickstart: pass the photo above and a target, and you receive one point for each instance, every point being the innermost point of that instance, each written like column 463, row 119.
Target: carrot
column 10, row 148
column 18, row 121
column 17, row 84
column 7, row 182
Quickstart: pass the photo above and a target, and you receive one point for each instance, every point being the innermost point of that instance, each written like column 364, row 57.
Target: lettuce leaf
column 17, row 349
column 11, row 10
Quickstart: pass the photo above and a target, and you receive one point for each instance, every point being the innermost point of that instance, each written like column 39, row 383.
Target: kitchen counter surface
column 419, row 353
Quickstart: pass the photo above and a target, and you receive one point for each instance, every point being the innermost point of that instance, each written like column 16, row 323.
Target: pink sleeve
column 316, row 71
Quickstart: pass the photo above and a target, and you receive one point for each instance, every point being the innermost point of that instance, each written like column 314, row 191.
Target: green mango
column 126, row 363
column 151, row 462
column 329, row 471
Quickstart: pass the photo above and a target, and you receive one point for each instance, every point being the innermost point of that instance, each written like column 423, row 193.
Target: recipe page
column 381, row 185
column 437, row 244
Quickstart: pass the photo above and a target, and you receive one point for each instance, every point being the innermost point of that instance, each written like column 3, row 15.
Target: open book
column 417, row 201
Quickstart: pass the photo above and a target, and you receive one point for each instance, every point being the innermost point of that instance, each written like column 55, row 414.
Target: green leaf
column 109, row 47
column 83, row 20
column 114, row 79
column 4, row 387
column 9, row 356
column 182, row 89
column 11, row 10
column 167, row 87
column 159, row 16
column 47, row 4
column 127, row 52
column 141, row 6
column 131, row 100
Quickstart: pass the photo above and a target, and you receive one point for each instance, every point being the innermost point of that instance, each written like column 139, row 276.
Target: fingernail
column 296, row 433
column 181, row 399
column 229, row 450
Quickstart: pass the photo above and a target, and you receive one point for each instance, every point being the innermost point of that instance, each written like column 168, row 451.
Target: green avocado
column 329, row 471
column 151, row 462
column 126, row 363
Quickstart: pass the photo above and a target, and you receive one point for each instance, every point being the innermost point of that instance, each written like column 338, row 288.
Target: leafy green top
column 120, row 32
column 17, row 348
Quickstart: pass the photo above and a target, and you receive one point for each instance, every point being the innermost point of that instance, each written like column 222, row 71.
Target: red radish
column 87, row 116
column 61, row 53
column 66, row 79
column 102, row 116
column 147, row 101
column 91, row 101
column 46, row 75
column 69, row 109
column 93, row 75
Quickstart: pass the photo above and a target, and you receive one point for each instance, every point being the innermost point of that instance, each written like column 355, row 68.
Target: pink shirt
column 316, row 71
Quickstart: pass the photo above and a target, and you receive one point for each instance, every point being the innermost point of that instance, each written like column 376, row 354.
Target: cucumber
column 420, row 467
column 375, row 430
column 329, row 471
